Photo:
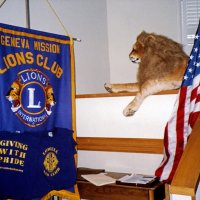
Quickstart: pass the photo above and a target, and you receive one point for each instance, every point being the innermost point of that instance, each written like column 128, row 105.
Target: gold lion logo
column 13, row 95
column 50, row 99
column 50, row 162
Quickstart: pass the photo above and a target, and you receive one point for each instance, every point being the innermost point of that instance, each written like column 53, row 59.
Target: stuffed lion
column 162, row 63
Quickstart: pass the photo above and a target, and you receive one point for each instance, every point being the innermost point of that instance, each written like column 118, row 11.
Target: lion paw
column 128, row 112
column 108, row 87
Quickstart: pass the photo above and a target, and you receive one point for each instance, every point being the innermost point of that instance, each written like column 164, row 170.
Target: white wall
column 180, row 197
column 107, row 29
column 86, row 19
column 120, row 162
column 126, row 19
column 102, row 117
column 83, row 19
column 198, row 191
column 13, row 13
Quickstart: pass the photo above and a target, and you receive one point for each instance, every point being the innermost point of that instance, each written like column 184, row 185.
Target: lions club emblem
column 51, row 162
column 31, row 97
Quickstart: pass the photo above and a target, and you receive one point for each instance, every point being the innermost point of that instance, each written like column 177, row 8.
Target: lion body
column 162, row 63
column 13, row 95
column 50, row 99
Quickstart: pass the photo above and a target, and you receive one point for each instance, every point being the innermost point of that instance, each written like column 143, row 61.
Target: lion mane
column 162, row 63
column 13, row 95
column 160, row 56
column 50, row 99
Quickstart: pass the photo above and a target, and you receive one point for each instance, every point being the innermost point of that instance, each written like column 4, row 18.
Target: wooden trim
column 136, row 145
column 186, row 177
column 121, row 94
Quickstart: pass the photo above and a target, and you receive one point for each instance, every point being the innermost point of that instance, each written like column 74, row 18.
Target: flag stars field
column 197, row 36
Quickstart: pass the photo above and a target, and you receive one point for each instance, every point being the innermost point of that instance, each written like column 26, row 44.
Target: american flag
column 183, row 117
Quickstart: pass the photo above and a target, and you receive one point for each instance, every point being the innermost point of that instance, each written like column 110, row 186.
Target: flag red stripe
column 159, row 171
column 179, row 131
column 194, row 94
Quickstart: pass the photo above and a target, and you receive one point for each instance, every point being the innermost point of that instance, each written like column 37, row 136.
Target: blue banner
column 33, row 165
column 37, row 144
column 35, row 80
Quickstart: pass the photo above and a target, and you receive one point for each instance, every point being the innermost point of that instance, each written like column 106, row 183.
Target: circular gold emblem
column 50, row 162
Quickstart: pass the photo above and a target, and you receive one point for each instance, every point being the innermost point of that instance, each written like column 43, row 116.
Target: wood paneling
column 108, row 192
column 137, row 145
column 78, row 96
column 186, row 178
column 114, row 191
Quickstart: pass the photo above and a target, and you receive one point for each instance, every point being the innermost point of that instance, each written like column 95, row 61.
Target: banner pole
column 2, row 3
column 27, row 14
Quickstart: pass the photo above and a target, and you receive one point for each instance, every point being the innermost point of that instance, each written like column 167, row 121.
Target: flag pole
column 27, row 14
column 2, row 3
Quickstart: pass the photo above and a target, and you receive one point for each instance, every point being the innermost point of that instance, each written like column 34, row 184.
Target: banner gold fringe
column 63, row 194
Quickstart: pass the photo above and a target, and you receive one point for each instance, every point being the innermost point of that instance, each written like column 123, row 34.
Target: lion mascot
column 162, row 63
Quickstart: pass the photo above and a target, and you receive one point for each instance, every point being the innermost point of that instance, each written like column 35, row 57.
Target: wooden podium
column 115, row 191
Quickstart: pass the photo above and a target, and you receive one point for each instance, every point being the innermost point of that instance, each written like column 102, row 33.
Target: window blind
column 190, row 20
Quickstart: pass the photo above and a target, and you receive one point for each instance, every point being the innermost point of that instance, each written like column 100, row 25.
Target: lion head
column 50, row 99
column 138, row 49
column 13, row 95
column 153, row 44
column 156, row 45
column 157, row 56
